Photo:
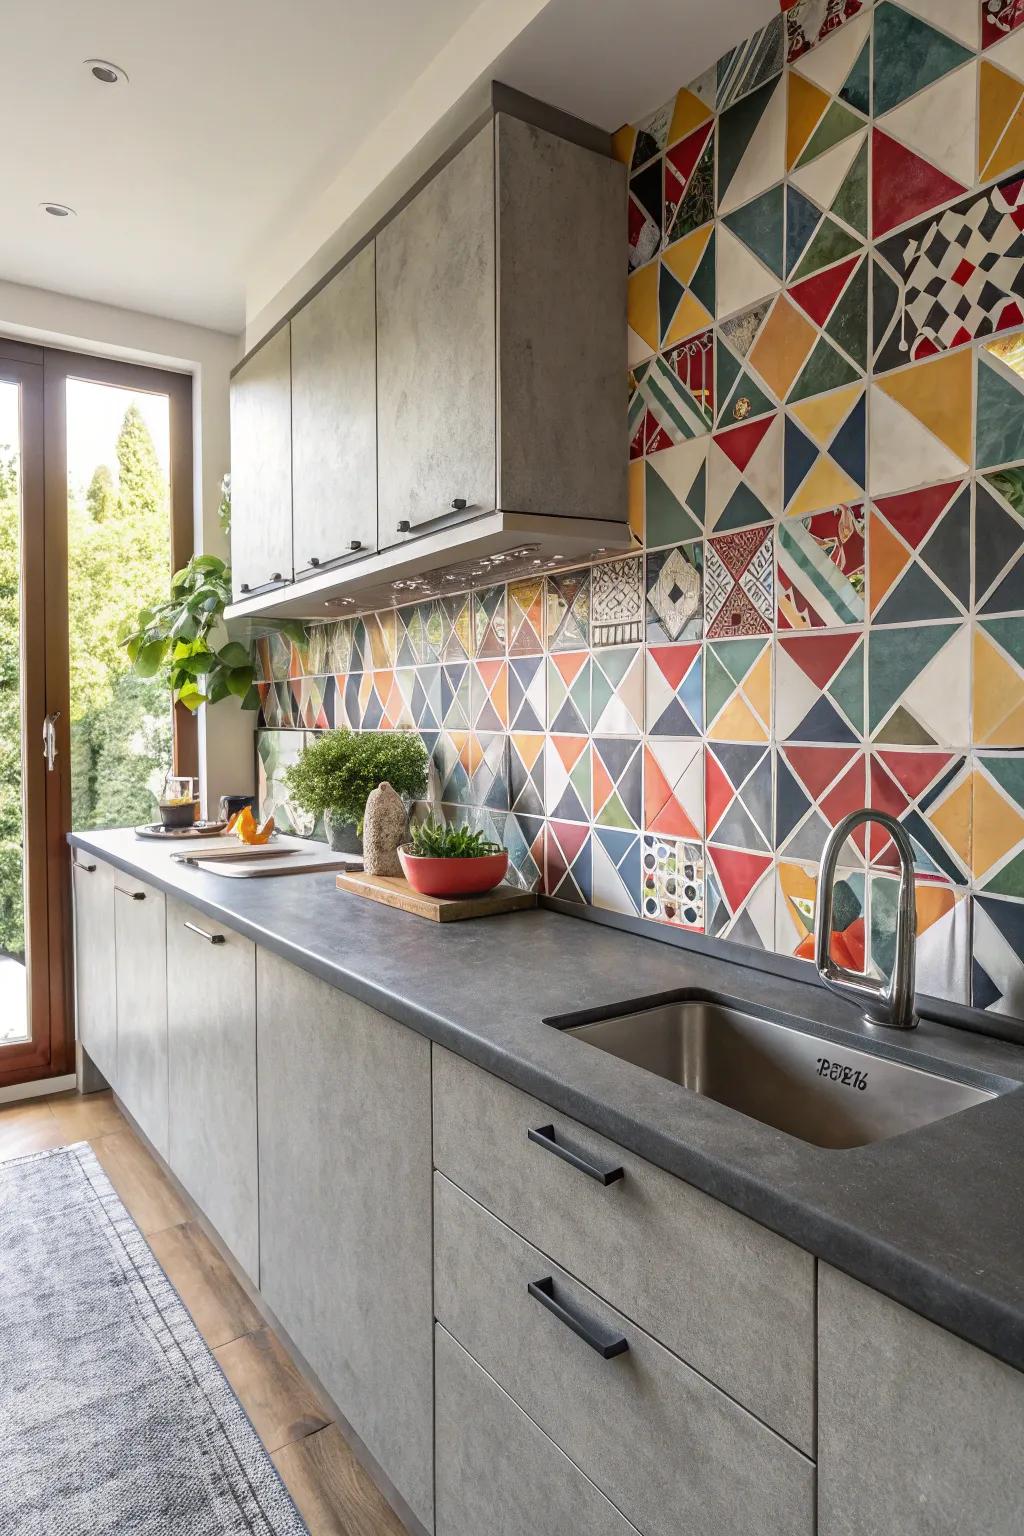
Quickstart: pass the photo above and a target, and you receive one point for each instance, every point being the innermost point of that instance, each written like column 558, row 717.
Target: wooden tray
column 395, row 891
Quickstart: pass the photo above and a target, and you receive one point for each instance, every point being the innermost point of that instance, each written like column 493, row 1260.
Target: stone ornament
column 384, row 826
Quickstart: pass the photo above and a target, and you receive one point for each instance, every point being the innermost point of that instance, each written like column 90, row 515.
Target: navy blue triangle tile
column 791, row 801
column 999, row 535
column 673, row 721
column 947, row 553
column 800, row 454
column 738, row 759
column 848, row 447
column 984, row 991
column 802, row 218
column 823, row 724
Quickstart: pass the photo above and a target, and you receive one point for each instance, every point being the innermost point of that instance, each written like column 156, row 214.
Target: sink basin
column 826, row 1094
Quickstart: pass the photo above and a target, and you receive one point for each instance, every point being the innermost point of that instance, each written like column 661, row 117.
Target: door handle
column 604, row 1173
column 50, row 740
column 606, row 1343
column 211, row 938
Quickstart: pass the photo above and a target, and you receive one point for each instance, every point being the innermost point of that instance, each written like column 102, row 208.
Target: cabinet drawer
column 668, row 1449
column 496, row 1471
column 140, row 938
column 729, row 1297
column 95, row 990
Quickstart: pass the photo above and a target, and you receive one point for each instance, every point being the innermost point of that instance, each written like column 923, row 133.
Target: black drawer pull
column 243, row 586
column 404, row 526
column 355, row 544
column 544, row 1136
column 606, row 1343
column 459, row 504
column 211, row 938
column 314, row 561
column 276, row 576
column 89, row 869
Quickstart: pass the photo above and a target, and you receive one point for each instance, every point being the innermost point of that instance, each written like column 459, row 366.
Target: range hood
column 479, row 551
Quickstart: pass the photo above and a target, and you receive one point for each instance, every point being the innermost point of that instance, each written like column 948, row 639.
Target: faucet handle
column 888, row 1002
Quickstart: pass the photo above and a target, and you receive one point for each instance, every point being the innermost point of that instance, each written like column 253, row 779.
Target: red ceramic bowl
column 454, row 877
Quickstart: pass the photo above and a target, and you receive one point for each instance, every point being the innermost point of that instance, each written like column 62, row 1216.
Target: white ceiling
column 242, row 115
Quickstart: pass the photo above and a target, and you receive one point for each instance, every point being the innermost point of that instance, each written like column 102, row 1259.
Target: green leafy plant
column 177, row 636
column 433, row 840
column 337, row 772
column 224, row 508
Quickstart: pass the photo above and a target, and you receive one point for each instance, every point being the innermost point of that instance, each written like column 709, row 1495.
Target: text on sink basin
column 849, row 1077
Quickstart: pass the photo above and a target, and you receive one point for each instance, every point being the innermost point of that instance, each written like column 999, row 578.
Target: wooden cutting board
column 395, row 891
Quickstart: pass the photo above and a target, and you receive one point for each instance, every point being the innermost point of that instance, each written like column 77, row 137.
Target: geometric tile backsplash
column 825, row 238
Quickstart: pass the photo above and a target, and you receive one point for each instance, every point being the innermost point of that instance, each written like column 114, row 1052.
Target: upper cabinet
column 334, row 419
column 261, row 468
column 456, row 389
column 436, row 348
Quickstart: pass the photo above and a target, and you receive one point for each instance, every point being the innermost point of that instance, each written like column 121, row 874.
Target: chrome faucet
column 891, row 1002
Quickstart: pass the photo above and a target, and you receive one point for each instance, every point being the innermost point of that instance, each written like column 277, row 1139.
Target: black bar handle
column 606, row 1343
column 90, row 869
column 544, row 1136
column 211, row 938
column 138, row 895
column 405, row 525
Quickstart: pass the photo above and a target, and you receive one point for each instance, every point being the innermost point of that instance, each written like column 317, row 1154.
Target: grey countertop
column 932, row 1218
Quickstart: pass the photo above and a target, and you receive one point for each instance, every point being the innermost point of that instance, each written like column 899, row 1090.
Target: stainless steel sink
column 823, row 1093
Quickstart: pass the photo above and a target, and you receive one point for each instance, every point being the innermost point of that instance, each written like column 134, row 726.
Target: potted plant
column 336, row 773
column 452, row 861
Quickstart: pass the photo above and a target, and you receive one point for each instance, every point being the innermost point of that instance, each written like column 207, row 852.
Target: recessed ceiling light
column 106, row 73
column 58, row 210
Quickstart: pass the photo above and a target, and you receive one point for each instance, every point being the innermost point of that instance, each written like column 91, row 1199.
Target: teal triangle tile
column 670, row 291
column 747, row 401
column 799, row 455
column 742, row 509
column 849, row 446
column 851, row 201
column 825, row 369
column 737, row 126
column 802, row 219
column 703, row 286
column 909, row 54
column 927, row 843
column 886, row 311
column 727, row 370
column 896, row 657
column 1008, row 594
column 857, row 90
column 837, row 124
column 915, row 596
column 831, row 243
column 1008, row 773
column 669, row 521
column 847, row 689
column 947, row 551
column 1000, row 418
column 848, row 323
column 1008, row 633
column 759, row 224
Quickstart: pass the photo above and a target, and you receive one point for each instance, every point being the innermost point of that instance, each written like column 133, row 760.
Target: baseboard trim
column 38, row 1089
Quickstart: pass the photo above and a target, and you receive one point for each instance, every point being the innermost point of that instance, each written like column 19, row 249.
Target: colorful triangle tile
column 904, row 186
column 909, row 55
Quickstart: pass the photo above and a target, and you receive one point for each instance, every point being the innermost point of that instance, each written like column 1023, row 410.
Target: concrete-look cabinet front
column 211, row 1071
column 345, row 1216
column 261, row 468
column 95, row 989
column 141, row 972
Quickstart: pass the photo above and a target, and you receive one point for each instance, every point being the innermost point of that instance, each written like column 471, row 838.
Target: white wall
column 56, row 319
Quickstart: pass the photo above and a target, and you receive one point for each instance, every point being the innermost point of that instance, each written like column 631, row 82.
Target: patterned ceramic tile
column 568, row 692
column 674, row 602
column 276, row 752
column 738, row 690
column 689, row 182
column 489, row 695
column 999, row 541
column 997, row 969
column 674, row 788
column 617, row 691
column 568, row 610
column 820, row 577
column 672, row 886
column 569, row 862
column 815, row 788
column 526, row 617
column 920, row 564
column 616, row 870
column 490, row 628
column 526, row 772
column 942, row 951
column 617, row 603
column 675, row 493
column 931, row 794
column 527, row 694
column 675, row 690
column 617, row 766
column 745, row 474
column 738, row 795
column 919, row 685
column 740, row 897
column 795, row 906
column 739, row 584
column 568, row 778
column 819, row 688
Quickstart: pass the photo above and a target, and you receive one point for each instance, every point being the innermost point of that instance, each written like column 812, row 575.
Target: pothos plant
column 185, row 638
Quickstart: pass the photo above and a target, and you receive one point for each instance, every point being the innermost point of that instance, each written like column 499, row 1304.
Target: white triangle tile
column 942, row 954
column 723, row 479
column 795, row 694
column 764, row 162
column 941, row 123
column 938, row 696
column 609, row 892
column 637, row 350
column 829, row 64
column 1009, row 54
column 742, row 280
column 821, row 180
column 764, row 472
column 903, row 453
column 960, row 18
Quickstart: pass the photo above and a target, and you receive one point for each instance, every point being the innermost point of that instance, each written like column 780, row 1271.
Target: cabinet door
column 95, row 993
column 141, row 940
column 261, row 467
column 345, row 1213
column 918, row 1432
column 334, row 418
column 211, row 1068
column 436, row 346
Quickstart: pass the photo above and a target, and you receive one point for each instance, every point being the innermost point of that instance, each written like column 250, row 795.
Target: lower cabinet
column 345, row 1210
column 669, row 1450
column 211, row 1061
column 496, row 1471
column 95, row 990
column 918, row 1432
column 141, row 966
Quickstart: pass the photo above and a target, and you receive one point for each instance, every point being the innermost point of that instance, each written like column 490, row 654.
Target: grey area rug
column 114, row 1416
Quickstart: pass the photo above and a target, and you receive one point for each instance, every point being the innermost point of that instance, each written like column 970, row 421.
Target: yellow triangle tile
column 998, row 826
column 1010, row 733
column 683, row 258
column 933, row 902
column 737, row 722
column 624, row 143
column 998, row 692
column 636, row 499
column 939, row 395
column 822, row 415
column 1000, row 97
column 1010, row 153
column 952, row 819
column 689, row 112
column 642, row 304
column 826, row 486
column 529, row 748
column 758, row 684
column 807, row 105
column 689, row 317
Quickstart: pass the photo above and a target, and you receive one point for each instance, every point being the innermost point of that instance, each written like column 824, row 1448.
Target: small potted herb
column 335, row 774
column 452, row 861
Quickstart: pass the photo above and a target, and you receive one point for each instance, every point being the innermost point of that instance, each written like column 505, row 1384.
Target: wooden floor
column 334, row 1495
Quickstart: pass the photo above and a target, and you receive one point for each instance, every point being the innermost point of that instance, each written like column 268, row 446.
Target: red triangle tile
column 904, row 185
column 816, row 767
column 915, row 513
column 718, row 792
column 817, row 295
column 741, row 443
column 738, row 873
column 914, row 771
column 819, row 657
column 684, row 156
column 674, row 661
column 847, row 796
column 570, row 837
